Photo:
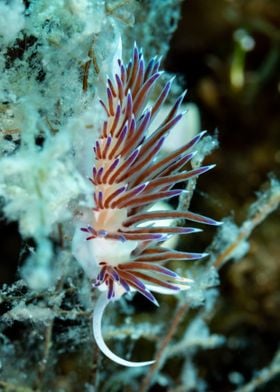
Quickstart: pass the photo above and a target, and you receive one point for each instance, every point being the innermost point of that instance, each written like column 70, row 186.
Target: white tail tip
column 100, row 306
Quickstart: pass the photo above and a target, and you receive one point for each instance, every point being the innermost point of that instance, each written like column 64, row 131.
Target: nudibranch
column 124, row 249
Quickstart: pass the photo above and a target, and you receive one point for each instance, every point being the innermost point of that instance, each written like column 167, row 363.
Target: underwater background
column 223, row 334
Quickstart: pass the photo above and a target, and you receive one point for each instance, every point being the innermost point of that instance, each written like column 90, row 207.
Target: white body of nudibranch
column 122, row 252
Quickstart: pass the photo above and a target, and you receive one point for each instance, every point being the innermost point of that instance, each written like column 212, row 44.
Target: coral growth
column 56, row 57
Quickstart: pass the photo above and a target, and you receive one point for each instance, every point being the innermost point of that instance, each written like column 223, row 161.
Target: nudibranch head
column 123, row 252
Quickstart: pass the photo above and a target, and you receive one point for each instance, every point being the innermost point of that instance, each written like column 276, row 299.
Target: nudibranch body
column 124, row 249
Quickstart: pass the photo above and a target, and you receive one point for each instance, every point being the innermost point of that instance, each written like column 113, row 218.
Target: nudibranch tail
column 124, row 248
column 99, row 309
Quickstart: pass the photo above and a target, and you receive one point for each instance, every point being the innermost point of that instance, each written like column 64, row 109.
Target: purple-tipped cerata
column 124, row 252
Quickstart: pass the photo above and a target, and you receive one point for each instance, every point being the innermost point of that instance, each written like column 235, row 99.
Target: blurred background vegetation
column 226, row 53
